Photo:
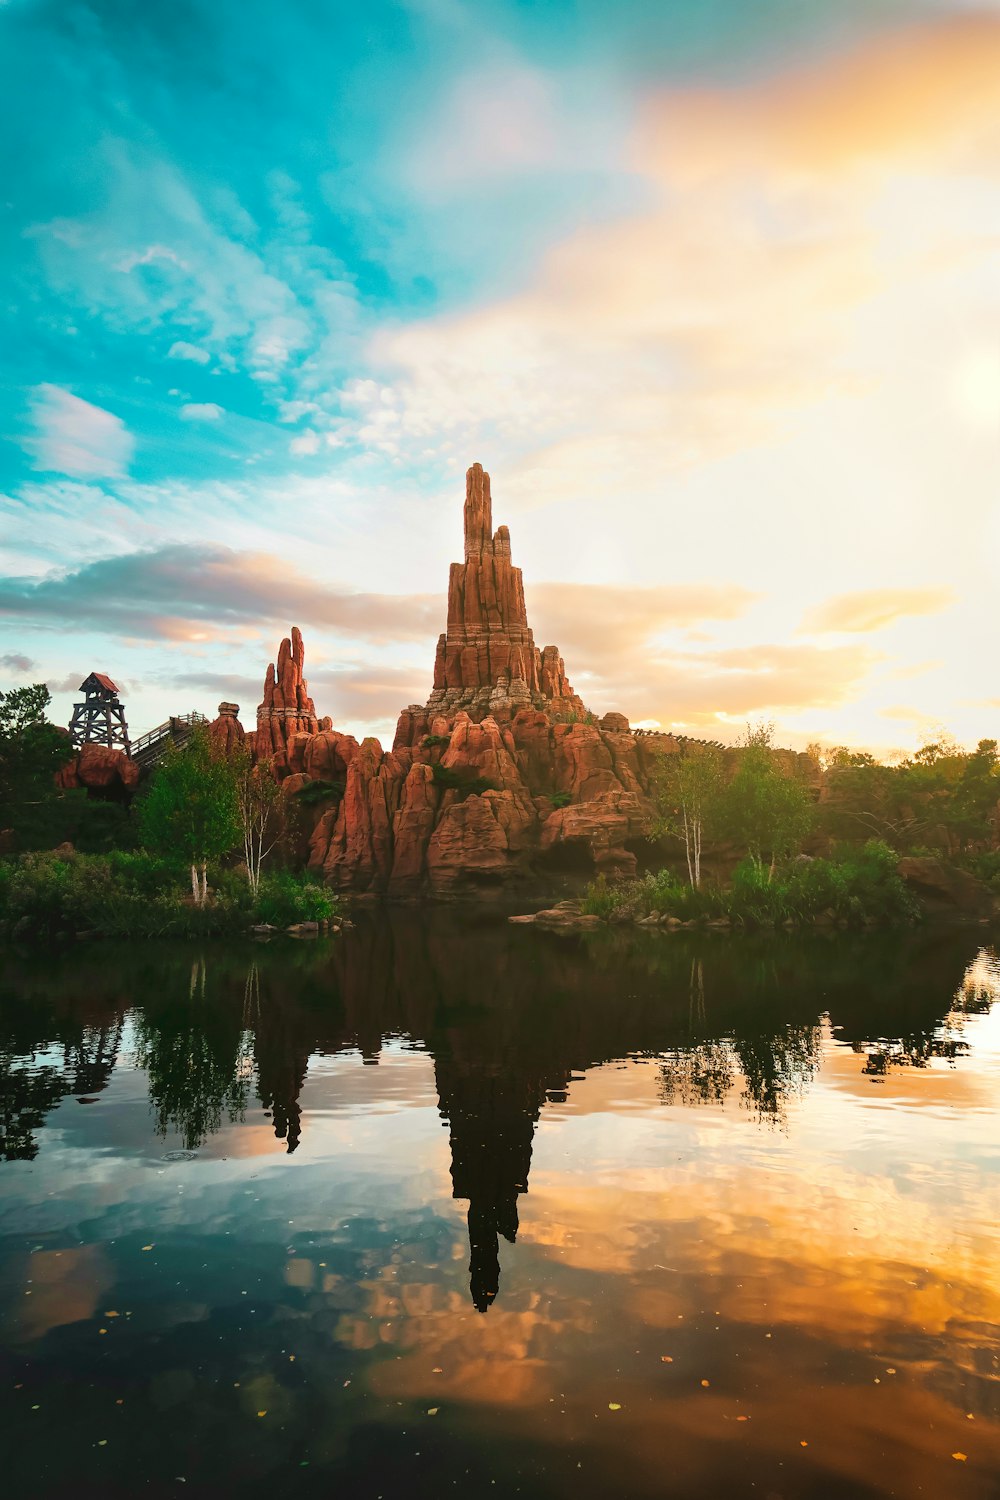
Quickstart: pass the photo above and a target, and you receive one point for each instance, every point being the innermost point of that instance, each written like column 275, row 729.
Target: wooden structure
column 149, row 749
column 100, row 719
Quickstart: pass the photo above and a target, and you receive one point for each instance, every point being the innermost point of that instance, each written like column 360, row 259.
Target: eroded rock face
column 459, row 803
column 100, row 769
column 287, row 709
column 487, row 661
column 226, row 732
column 501, row 774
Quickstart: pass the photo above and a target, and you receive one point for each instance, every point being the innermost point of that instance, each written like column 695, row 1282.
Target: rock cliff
column 102, row 770
column 487, row 661
column 287, row 709
column 501, row 776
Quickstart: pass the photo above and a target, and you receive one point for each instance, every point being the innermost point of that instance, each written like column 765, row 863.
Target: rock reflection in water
column 508, row 1018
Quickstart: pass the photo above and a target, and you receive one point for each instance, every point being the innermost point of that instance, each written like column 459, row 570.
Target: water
column 446, row 1207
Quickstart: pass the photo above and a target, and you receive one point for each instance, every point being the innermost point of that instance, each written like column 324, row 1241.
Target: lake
column 441, row 1206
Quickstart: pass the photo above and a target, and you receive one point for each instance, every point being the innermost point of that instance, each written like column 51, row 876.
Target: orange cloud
column 927, row 89
column 873, row 609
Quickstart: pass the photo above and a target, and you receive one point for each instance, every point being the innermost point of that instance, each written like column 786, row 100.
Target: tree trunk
column 204, row 883
column 194, row 884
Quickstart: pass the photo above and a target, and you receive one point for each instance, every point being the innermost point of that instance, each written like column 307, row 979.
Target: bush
column 561, row 799
column 452, row 780
column 315, row 792
column 856, row 886
column 127, row 894
column 285, row 898
column 432, row 741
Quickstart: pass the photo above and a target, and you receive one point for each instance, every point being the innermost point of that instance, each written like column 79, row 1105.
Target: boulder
column 942, row 886
column 100, row 769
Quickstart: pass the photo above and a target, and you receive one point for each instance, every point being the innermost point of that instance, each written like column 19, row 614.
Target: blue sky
column 275, row 275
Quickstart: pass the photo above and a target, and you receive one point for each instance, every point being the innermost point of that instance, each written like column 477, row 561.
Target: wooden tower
column 100, row 719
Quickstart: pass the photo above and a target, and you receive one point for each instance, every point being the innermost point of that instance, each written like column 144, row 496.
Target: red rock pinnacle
column 487, row 661
column 287, row 708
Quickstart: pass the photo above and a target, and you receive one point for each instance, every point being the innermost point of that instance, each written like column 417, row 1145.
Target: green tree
column 31, row 752
column 192, row 809
column 767, row 812
column 260, row 809
column 689, row 794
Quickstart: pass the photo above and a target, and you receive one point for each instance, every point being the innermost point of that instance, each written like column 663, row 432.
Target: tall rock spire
column 487, row 661
column 287, row 709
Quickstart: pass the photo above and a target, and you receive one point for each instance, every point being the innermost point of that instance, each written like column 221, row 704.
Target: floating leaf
column 705, row 1383
column 614, row 1406
column 262, row 1414
column 432, row 1411
column 147, row 1247
column 961, row 1457
column 666, row 1359
column 803, row 1443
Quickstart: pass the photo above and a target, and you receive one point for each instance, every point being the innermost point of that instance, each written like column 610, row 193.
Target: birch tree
column 689, row 789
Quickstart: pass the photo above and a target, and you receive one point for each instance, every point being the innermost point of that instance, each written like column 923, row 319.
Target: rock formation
column 501, row 776
column 287, row 709
column 105, row 772
column 226, row 732
column 487, row 661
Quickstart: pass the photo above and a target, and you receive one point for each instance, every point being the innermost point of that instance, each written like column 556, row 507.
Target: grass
column 129, row 894
column 858, row 887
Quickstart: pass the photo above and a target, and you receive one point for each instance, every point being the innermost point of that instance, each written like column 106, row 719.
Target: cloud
column 363, row 693
column 201, row 411
column 15, row 662
column 193, row 352
column 306, row 442
column 75, row 438
column 606, row 623
column 70, row 683
column 197, row 593
column 873, row 609
column 790, row 228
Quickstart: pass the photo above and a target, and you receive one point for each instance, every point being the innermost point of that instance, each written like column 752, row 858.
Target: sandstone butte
column 502, row 774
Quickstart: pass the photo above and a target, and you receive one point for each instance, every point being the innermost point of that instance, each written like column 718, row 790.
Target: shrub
column 432, row 741
column 561, row 799
column 315, row 792
column 857, row 886
column 285, row 898
column 134, row 895
column 458, row 781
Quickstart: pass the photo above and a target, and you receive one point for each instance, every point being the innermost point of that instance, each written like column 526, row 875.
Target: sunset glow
column 717, row 305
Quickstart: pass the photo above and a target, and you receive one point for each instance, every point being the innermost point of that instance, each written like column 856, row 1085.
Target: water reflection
column 508, row 1021
column 747, row 1182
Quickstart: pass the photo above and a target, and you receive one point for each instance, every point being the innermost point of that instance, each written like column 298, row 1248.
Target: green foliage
column 451, row 780
column 690, row 795
column 941, row 799
column 316, row 792
column 434, row 741
column 766, row 812
column 129, row 894
column 285, row 898
column 561, row 799
column 602, row 899
column 191, row 808
column 855, row 887
column 31, row 751
column 986, row 867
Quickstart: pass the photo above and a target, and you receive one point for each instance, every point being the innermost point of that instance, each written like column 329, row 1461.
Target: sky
column 712, row 291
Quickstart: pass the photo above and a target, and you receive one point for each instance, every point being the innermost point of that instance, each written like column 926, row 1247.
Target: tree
column 259, row 807
column 192, row 809
column 767, row 811
column 31, row 751
column 689, row 791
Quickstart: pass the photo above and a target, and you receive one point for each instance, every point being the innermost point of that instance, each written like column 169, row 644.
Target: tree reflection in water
column 508, row 1016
